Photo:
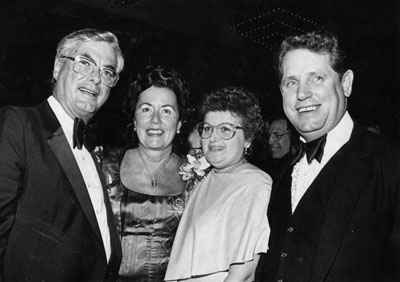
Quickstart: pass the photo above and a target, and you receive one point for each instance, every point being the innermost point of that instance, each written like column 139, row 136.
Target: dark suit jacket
column 48, row 228
column 347, row 225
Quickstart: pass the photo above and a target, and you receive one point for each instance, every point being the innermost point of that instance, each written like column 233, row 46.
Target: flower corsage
column 193, row 170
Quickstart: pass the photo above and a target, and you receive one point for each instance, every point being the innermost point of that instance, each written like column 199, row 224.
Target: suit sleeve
column 12, row 162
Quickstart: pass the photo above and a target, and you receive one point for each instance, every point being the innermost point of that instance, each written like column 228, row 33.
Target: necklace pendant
column 154, row 183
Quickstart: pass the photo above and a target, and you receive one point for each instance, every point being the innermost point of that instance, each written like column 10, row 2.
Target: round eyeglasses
column 225, row 130
column 86, row 66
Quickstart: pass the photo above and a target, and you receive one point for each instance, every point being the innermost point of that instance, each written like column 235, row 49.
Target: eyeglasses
column 86, row 67
column 278, row 135
column 225, row 130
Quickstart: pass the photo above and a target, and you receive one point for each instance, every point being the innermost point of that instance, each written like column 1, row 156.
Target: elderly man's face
column 82, row 95
column 314, row 98
column 279, row 139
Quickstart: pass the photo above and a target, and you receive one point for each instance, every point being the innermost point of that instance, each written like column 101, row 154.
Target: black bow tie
column 79, row 133
column 313, row 149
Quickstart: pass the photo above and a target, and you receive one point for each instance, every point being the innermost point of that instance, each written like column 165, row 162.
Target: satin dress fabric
column 147, row 226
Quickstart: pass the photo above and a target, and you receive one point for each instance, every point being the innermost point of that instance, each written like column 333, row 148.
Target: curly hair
column 157, row 76
column 319, row 42
column 241, row 103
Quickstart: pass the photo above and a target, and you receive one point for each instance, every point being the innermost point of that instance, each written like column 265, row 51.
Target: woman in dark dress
column 146, row 192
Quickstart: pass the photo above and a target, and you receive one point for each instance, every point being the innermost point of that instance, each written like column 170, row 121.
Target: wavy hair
column 319, row 42
column 241, row 103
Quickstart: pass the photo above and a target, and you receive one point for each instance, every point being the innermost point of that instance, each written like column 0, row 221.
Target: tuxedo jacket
column 346, row 227
column 48, row 228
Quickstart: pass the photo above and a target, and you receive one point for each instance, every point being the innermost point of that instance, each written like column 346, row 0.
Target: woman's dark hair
column 157, row 76
column 241, row 103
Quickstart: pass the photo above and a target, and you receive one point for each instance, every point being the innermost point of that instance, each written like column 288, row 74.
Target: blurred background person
column 194, row 141
column 224, row 228
column 283, row 145
column 146, row 192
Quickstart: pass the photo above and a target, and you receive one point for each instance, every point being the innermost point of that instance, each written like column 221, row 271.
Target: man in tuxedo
column 335, row 213
column 55, row 219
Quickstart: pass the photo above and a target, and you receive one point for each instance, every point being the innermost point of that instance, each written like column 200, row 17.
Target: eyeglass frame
column 278, row 136
column 235, row 128
column 93, row 64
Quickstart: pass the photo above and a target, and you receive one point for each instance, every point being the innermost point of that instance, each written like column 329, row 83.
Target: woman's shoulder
column 252, row 173
column 174, row 162
column 112, row 156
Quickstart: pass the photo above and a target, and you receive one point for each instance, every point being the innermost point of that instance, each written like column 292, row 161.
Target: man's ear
column 347, row 82
column 57, row 68
column 247, row 144
column 178, row 127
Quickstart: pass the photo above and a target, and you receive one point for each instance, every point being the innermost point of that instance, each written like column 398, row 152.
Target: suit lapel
column 343, row 181
column 59, row 145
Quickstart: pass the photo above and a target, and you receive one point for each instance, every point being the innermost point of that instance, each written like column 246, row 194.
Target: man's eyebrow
column 111, row 67
column 291, row 77
column 90, row 58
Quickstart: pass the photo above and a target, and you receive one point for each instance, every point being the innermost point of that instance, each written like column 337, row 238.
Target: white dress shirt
column 303, row 173
column 89, row 173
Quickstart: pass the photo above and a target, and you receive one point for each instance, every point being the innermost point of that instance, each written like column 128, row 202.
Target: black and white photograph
column 199, row 141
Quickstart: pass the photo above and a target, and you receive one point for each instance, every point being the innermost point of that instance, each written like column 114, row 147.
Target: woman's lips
column 152, row 132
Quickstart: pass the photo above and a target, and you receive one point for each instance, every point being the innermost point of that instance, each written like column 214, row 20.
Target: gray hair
column 72, row 41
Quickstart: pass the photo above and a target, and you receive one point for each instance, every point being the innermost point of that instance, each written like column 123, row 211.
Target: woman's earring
column 246, row 150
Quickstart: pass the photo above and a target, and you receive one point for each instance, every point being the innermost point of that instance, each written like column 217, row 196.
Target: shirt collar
column 337, row 137
column 66, row 122
column 342, row 131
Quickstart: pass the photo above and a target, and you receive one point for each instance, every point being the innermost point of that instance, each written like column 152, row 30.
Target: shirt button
column 290, row 229
column 283, row 255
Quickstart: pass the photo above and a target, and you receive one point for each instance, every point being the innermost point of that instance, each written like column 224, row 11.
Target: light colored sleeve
column 249, row 222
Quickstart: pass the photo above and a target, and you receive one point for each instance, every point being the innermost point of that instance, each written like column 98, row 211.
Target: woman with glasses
column 224, row 227
column 146, row 192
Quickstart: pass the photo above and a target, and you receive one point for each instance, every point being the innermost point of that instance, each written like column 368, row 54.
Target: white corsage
column 193, row 170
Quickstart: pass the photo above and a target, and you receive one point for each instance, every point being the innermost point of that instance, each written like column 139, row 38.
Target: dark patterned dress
column 147, row 225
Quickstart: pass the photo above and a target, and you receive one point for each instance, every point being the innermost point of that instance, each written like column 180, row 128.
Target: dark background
column 212, row 42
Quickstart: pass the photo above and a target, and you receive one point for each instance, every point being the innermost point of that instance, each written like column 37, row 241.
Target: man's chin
column 312, row 135
column 86, row 116
column 87, row 107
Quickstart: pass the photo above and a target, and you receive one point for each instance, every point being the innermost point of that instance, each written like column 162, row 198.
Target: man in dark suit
column 55, row 219
column 335, row 213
